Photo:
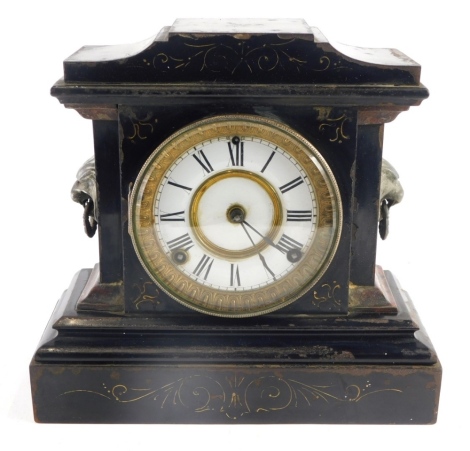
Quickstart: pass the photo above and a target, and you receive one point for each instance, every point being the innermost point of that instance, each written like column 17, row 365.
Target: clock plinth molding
column 167, row 369
column 350, row 349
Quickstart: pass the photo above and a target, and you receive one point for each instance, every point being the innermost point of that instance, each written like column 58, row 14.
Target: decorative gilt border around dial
column 250, row 302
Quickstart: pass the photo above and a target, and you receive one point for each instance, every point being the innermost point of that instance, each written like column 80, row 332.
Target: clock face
column 235, row 216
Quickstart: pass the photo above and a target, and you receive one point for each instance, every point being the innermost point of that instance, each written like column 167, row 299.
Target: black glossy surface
column 133, row 369
column 314, row 361
column 105, row 134
column 155, row 123
column 365, row 204
column 260, row 59
column 268, row 339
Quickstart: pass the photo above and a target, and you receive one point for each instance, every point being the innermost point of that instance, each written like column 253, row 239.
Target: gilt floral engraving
column 237, row 396
column 219, row 57
column 139, row 128
column 147, row 293
column 334, row 128
column 328, row 292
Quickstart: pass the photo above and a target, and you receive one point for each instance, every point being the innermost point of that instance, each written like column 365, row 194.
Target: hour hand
column 266, row 239
column 286, row 245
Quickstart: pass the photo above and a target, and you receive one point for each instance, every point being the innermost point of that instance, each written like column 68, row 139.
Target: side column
column 106, row 138
column 366, row 203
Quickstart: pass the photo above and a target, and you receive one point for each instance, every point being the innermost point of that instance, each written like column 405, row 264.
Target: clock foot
column 101, row 297
column 373, row 299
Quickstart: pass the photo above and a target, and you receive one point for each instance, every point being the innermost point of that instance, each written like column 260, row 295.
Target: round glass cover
column 235, row 216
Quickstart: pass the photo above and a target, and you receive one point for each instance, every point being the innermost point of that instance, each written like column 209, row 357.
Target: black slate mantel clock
column 237, row 189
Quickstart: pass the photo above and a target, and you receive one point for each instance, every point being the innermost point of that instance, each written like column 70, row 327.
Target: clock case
column 351, row 350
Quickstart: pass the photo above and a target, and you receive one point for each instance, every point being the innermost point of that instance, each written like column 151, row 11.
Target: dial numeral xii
column 237, row 151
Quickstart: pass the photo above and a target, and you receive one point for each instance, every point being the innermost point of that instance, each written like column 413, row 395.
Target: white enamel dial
column 235, row 216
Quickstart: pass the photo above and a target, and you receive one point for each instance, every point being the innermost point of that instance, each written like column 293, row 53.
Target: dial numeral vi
column 234, row 275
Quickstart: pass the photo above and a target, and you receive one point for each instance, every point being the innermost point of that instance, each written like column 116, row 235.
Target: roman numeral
column 236, row 153
column 179, row 186
column 203, row 264
column 182, row 242
column 234, row 275
column 292, row 184
column 286, row 243
column 172, row 216
column 269, row 161
column 299, row 215
column 207, row 166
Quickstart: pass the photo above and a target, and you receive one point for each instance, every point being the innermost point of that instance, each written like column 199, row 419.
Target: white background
column 42, row 243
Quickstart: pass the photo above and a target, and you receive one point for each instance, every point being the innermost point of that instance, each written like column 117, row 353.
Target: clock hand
column 261, row 257
column 266, row 239
column 289, row 246
column 263, row 261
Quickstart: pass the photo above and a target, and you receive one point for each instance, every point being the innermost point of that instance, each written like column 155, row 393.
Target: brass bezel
column 242, row 253
column 236, row 304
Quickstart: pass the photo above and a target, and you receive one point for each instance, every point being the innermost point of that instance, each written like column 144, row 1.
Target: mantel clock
column 237, row 189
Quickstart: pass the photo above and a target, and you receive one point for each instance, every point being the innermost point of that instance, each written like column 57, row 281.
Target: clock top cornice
column 253, row 51
column 243, row 59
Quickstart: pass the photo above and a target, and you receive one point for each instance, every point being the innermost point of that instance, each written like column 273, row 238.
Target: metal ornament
column 391, row 193
column 84, row 193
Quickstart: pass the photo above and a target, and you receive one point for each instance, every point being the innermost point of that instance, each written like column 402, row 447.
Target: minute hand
column 261, row 257
column 266, row 239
